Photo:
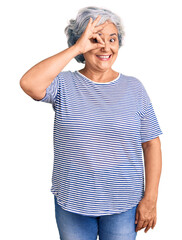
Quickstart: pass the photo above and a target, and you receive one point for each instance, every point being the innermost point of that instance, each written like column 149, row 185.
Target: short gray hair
column 76, row 27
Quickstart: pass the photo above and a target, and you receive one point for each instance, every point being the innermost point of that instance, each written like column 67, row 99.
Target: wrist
column 151, row 196
column 76, row 49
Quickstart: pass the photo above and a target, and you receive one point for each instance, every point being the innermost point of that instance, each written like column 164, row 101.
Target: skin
column 146, row 212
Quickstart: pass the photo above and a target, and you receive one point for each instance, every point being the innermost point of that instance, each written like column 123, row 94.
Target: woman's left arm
column 146, row 212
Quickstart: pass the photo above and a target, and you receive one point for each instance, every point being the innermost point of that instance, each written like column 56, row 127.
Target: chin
column 104, row 68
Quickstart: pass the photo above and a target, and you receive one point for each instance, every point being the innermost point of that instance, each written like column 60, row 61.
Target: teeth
column 104, row 56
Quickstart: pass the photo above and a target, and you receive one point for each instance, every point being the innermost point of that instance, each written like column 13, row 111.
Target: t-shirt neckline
column 113, row 81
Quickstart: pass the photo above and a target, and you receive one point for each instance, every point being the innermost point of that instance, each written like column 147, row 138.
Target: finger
column 90, row 21
column 98, row 38
column 154, row 223
column 136, row 217
column 98, row 45
column 139, row 225
column 145, row 224
column 100, row 27
column 89, row 24
column 147, row 228
column 96, row 20
column 149, row 225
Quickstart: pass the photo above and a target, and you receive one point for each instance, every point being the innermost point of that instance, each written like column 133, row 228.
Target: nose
column 106, row 47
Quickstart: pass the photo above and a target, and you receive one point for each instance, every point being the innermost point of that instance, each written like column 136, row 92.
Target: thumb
column 100, row 45
column 136, row 217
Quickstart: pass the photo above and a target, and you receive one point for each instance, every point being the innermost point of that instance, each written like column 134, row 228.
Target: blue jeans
column 73, row 226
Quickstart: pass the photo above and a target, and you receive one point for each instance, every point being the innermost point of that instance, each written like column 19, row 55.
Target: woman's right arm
column 35, row 81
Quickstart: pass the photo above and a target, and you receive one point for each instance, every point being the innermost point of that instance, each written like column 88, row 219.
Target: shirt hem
column 151, row 137
column 109, row 212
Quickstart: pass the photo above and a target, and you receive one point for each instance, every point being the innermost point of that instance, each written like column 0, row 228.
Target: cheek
column 117, row 48
column 88, row 56
column 115, row 51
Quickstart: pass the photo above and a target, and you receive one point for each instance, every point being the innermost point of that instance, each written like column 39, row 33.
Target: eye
column 112, row 39
column 95, row 40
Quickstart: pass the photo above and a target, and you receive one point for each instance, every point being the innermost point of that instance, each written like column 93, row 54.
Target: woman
column 104, row 121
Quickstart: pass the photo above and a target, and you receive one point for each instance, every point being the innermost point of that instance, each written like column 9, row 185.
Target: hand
column 90, row 39
column 146, row 215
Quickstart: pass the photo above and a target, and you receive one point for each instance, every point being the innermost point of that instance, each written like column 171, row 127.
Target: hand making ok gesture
column 90, row 39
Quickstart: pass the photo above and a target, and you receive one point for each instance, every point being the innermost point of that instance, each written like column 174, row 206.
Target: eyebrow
column 110, row 34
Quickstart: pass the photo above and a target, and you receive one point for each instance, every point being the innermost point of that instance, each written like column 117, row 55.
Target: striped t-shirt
column 98, row 131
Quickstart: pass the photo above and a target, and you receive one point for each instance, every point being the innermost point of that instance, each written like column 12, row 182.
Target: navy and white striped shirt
column 98, row 131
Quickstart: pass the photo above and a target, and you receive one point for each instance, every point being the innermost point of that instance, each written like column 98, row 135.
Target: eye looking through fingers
column 97, row 29
column 95, row 40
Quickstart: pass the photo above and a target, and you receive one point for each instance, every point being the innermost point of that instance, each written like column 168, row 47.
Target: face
column 103, row 58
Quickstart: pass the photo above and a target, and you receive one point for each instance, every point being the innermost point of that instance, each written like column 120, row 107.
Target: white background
column 34, row 30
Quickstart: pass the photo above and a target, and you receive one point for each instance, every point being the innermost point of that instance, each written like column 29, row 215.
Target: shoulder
column 65, row 74
column 64, row 77
column 133, row 82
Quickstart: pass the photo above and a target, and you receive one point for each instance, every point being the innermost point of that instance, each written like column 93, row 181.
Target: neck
column 99, row 76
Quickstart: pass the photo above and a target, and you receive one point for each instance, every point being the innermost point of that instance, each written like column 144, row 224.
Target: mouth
column 104, row 57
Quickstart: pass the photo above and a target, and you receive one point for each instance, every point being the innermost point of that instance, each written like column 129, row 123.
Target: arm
column 146, row 213
column 35, row 81
column 153, row 166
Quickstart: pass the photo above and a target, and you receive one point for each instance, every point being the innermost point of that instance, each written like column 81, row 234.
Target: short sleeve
column 150, row 127
column 51, row 92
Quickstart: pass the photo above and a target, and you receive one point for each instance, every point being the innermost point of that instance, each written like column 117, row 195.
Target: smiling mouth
column 104, row 57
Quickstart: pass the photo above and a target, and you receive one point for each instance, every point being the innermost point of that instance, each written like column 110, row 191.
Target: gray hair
column 76, row 27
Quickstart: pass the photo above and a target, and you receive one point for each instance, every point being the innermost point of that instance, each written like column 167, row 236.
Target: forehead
column 109, row 29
